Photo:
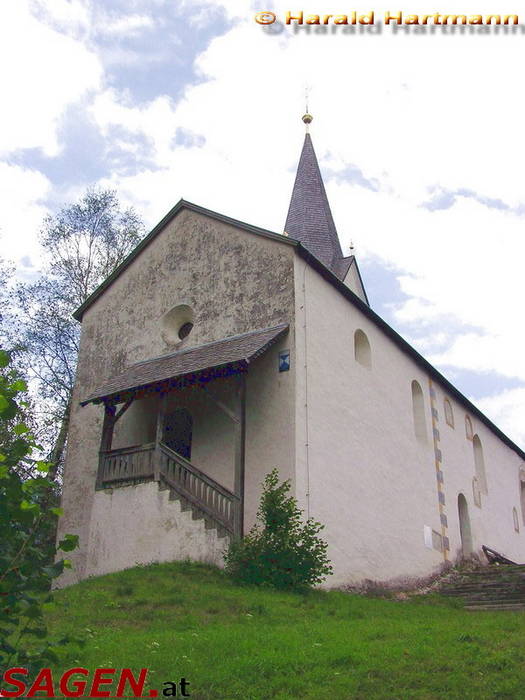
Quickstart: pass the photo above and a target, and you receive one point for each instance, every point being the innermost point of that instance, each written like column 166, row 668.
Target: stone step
column 498, row 595
column 486, row 579
column 495, row 571
column 512, row 603
column 196, row 514
column 488, row 591
column 494, row 588
column 474, row 589
column 518, row 607
column 502, row 580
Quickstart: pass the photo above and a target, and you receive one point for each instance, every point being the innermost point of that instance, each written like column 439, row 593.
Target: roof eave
column 109, row 393
column 189, row 377
column 404, row 345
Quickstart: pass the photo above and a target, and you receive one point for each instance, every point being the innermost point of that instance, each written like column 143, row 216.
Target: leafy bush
column 283, row 551
column 26, row 518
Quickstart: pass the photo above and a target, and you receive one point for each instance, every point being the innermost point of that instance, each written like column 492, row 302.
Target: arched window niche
column 449, row 414
column 362, row 350
column 479, row 464
column 418, row 409
column 476, row 492
column 177, row 324
column 522, row 494
column 465, row 530
column 516, row 520
column 468, row 428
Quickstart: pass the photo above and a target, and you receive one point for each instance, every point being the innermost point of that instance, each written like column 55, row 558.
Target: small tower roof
column 309, row 217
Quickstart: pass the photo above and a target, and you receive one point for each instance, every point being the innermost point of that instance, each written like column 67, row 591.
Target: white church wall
column 140, row 525
column 370, row 480
column 212, row 448
column 491, row 516
column 270, row 423
column 233, row 281
column 138, row 424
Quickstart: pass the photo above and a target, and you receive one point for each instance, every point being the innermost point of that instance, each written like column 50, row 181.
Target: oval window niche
column 177, row 324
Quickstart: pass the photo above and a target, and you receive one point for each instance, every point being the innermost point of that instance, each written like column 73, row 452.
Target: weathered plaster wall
column 360, row 469
column 140, row 525
column 234, row 281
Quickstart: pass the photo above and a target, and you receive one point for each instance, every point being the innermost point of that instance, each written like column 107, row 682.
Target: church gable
column 353, row 280
column 212, row 277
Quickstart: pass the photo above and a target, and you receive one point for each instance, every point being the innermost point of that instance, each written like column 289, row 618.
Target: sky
column 419, row 136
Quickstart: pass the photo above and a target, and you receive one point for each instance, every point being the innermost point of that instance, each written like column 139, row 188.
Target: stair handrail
column 496, row 558
column 218, row 517
column 198, row 472
column 129, row 449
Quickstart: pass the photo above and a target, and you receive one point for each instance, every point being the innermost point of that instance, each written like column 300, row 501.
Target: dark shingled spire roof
column 309, row 217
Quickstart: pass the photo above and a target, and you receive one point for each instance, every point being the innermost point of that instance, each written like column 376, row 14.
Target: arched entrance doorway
column 177, row 433
column 464, row 526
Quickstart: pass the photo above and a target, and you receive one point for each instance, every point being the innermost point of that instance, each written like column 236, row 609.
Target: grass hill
column 188, row 620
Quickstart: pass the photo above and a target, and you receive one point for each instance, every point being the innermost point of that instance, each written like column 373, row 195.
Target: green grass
column 189, row 620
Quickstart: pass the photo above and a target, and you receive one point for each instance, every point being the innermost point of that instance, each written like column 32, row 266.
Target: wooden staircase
column 196, row 512
column 499, row 587
column 195, row 490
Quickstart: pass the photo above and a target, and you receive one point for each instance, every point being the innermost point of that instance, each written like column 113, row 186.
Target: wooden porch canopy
column 207, row 361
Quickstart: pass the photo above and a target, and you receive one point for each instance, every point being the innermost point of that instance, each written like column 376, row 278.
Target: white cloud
column 22, row 192
column 507, row 411
column 68, row 15
column 43, row 71
column 129, row 25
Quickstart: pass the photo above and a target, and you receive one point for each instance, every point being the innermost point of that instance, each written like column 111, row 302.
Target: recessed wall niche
column 177, row 324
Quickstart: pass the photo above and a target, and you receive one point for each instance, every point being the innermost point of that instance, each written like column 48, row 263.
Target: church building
column 218, row 351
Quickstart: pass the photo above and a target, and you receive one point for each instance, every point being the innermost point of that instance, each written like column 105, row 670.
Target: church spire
column 309, row 217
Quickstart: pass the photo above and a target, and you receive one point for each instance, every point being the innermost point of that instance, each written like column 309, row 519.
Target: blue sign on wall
column 284, row 361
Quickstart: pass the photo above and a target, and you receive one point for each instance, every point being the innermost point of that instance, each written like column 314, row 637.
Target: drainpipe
column 306, row 444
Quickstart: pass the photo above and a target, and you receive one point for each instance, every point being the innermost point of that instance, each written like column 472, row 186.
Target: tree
column 285, row 552
column 83, row 245
column 25, row 521
column 6, row 273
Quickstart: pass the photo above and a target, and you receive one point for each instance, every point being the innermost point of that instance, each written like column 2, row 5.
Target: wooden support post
column 161, row 418
column 105, row 440
column 240, row 449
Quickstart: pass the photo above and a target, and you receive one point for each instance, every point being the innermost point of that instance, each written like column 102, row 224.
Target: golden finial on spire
column 307, row 117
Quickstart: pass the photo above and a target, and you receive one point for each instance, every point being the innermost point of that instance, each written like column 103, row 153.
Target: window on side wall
column 449, row 414
column 418, row 410
column 362, row 349
column 479, row 464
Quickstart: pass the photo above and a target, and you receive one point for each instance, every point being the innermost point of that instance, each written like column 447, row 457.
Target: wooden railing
column 199, row 489
column 158, row 461
column 496, row 558
column 127, row 464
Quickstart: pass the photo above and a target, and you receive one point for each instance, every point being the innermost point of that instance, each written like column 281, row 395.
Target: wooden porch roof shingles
column 236, row 350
